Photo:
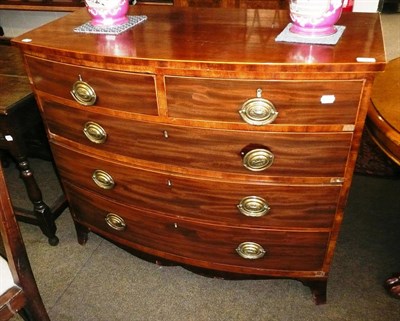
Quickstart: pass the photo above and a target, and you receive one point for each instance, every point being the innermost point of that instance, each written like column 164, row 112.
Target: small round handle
column 250, row 250
column 103, row 179
column 94, row 132
column 258, row 159
column 258, row 111
column 83, row 93
column 253, row 206
column 115, row 221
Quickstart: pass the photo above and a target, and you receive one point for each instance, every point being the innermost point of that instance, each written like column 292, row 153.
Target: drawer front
column 203, row 244
column 246, row 152
column 117, row 90
column 296, row 102
column 259, row 204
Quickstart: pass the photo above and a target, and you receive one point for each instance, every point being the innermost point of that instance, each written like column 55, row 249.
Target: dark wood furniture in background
column 390, row 6
column 250, row 4
column 21, row 295
column 71, row 5
column 22, row 134
column 60, row 5
column 213, row 145
column 383, row 124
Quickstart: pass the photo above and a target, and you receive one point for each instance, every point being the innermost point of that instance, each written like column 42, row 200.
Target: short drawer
column 211, row 245
column 291, row 206
column 245, row 152
column 115, row 90
column 296, row 102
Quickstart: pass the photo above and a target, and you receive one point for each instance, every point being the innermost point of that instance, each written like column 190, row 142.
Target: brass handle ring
column 253, row 206
column 83, row 93
column 258, row 159
column 258, row 111
column 115, row 221
column 94, row 132
column 103, row 179
column 250, row 250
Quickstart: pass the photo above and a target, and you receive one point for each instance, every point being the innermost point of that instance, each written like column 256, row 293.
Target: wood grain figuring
column 174, row 146
column 297, row 102
column 193, row 39
column 182, row 239
column 210, row 200
column 297, row 154
column 141, row 98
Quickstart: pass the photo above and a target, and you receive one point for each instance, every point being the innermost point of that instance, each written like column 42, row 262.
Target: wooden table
column 383, row 124
column 383, row 115
column 20, row 122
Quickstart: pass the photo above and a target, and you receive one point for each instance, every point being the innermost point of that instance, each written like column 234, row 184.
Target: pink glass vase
column 315, row 18
column 108, row 12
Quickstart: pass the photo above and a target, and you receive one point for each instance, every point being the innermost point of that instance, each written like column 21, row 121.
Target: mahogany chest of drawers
column 196, row 138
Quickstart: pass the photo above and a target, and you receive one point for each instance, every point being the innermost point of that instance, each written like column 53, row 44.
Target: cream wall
column 366, row 5
column 15, row 22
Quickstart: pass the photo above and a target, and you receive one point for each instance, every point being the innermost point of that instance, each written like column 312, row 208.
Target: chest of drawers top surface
column 214, row 39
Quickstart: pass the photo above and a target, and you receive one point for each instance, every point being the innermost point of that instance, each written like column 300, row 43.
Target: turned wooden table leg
column 40, row 209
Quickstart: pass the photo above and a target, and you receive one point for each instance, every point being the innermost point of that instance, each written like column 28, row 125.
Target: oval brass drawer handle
column 94, row 132
column 258, row 159
column 253, row 206
column 258, row 111
column 115, row 221
column 103, row 179
column 250, row 250
column 83, row 93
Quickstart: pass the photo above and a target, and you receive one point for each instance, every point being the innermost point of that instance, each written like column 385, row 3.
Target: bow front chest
column 196, row 138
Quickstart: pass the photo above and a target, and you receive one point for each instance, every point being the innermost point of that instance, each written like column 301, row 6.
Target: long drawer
column 290, row 206
column 295, row 102
column 124, row 91
column 246, row 152
column 202, row 244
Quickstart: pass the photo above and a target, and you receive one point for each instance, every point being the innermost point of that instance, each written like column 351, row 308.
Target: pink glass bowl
column 315, row 18
column 108, row 12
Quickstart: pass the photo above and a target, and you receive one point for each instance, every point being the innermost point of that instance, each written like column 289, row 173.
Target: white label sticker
column 365, row 59
column 328, row 99
column 9, row 138
column 348, row 128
